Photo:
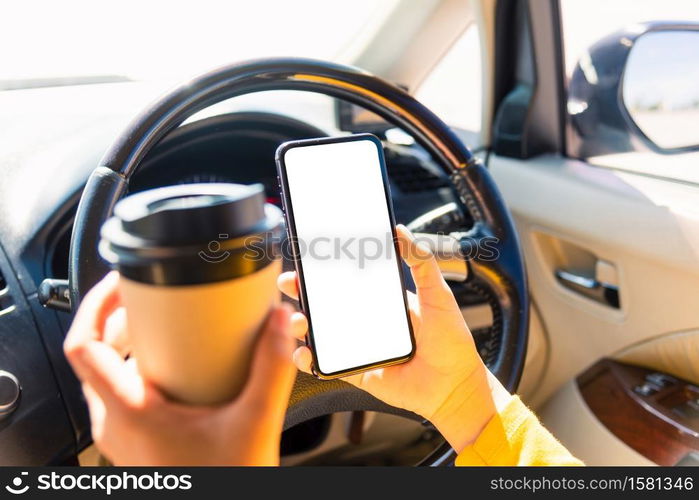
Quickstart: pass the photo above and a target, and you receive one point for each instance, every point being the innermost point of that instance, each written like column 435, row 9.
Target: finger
column 272, row 373
column 98, row 411
column 303, row 359
column 299, row 325
column 430, row 285
column 96, row 307
column 95, row 362
column 412, row 300
column 115, row 333
column 414, row 310
column 288, row 284
column 101, row 367
column 91, row 396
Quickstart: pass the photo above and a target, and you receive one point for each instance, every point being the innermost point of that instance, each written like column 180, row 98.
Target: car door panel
column 652, row 244
column 674, row 353
column 569, row 418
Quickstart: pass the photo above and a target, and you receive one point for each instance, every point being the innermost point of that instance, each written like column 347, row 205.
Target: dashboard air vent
column 411, row 177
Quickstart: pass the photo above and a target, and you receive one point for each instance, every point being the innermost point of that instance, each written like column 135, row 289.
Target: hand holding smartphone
column 340, row 222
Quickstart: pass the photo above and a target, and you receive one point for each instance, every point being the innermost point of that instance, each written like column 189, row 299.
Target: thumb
column 431, row 288
column 272, row 372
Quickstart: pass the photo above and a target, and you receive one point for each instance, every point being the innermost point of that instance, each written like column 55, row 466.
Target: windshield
column 82, row 41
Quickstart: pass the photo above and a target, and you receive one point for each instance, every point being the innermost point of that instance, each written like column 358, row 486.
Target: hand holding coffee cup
column 197, row 279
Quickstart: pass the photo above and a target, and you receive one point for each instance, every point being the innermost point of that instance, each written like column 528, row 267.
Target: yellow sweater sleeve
column 515, row 437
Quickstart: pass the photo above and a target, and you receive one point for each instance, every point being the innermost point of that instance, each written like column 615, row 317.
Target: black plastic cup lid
column 192, row 233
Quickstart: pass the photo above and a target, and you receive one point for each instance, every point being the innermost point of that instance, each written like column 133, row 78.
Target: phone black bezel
column 291, row 232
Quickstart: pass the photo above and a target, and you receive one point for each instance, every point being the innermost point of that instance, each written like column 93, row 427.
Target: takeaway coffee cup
column 198, row 271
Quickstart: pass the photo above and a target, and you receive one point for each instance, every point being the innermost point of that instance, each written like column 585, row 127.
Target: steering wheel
column 503, row 277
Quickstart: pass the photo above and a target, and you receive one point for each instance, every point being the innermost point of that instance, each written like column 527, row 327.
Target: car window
column 658, row 70
column 453, row 89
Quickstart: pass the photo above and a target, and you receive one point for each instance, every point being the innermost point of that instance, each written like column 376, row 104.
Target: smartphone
column 342, row 238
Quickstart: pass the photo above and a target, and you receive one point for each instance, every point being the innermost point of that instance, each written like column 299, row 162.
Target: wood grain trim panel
column 649, row 424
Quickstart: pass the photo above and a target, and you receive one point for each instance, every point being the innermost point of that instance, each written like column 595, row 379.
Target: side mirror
column 637, row 90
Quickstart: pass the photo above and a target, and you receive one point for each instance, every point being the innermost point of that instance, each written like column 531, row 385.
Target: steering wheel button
column 9, row 393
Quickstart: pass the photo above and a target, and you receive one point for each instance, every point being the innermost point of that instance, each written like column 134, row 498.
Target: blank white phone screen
column 353, row 287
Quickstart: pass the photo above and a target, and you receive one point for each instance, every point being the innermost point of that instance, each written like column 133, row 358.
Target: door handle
column 591, row 288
